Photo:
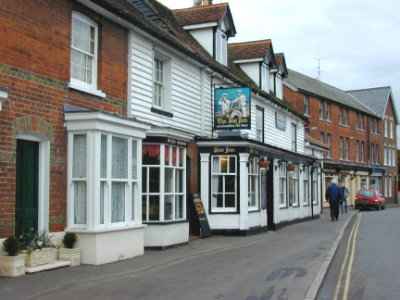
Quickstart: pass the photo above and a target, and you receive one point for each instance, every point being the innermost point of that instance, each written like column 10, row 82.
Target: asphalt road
column 270, row 266
column 367, row 264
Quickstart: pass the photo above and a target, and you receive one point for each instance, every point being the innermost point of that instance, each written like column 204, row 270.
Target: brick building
column 352, row 129
column 57, row 67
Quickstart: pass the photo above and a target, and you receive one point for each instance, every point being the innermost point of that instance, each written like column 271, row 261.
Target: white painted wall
column 161, row 235
column 252, row 70
column 190, row 95
column 294, row 213
column 205, row 38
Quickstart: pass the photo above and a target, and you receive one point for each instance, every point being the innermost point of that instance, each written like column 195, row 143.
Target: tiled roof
column 167, row 29
column 375, row 98
column 320, row 89
column 249, row 50
column 201, row 14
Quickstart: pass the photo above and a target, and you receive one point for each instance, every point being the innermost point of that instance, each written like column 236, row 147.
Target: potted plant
column 39, row 251
column 13, row 264
column 69, row 252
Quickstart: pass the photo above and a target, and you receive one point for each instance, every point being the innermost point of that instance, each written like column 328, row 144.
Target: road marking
column 342, row 268
column 350, row 265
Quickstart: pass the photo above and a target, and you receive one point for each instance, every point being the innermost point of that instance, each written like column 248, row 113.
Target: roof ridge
column 249, row 42
column 338, row 89
column 373, row 88
column 200, row 7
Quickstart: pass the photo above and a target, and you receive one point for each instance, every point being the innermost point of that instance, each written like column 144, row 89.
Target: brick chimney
column 202, row 2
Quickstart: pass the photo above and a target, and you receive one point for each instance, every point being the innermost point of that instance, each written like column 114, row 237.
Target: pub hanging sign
column 232, row 108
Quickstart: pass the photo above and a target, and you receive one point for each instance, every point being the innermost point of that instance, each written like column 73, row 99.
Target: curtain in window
column 80, row 204
column 118, row 202
column 79, row 161
column 119, row 158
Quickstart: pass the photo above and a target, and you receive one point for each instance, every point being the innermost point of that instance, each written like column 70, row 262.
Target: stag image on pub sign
column 232, row 108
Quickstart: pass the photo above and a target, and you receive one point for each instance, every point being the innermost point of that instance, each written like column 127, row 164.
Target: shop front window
column 282, row 185
column 315, row 186
column 254, row 184
column 223, row 183
column 163, row 185
column 306, row 185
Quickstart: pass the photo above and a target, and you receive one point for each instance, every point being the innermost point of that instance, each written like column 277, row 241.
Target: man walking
column 343, row 199
column 333, row 195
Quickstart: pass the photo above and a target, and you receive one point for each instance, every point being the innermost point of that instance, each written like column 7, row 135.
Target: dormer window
column 264, row 77
column 221, row 47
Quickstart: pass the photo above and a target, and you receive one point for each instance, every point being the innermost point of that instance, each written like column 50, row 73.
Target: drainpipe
column 312, row 192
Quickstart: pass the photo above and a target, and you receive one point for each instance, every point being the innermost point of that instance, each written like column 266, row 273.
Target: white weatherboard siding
column 205, row 38
column 189, row 90
column 252, row 70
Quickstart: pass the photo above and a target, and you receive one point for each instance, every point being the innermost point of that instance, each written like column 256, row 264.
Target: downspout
column 312, row 193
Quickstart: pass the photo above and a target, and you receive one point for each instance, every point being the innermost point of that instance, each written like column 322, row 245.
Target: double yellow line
column 343, row 283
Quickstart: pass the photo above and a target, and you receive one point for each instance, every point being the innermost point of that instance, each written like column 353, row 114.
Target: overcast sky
column 357, row 41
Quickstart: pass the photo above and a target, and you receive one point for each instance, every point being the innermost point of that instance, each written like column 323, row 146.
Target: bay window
column 163, row 183
column 103, row 178
column 254, row 184
column 223, row 183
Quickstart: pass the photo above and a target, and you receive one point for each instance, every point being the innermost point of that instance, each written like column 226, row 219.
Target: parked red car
column 369, row 199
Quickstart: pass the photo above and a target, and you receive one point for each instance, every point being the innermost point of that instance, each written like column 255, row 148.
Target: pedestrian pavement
column 271, row 265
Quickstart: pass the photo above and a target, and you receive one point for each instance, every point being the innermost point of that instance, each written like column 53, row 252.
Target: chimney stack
column 202, row 2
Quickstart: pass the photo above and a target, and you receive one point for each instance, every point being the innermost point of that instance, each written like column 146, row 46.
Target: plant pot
column 41, row 257
column 72, row 255
column 12, row 266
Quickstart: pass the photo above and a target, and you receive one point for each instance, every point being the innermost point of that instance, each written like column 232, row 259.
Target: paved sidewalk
column 273, row 265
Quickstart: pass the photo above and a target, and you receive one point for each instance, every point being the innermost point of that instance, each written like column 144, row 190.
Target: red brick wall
column 317, row 126
column 34, row 68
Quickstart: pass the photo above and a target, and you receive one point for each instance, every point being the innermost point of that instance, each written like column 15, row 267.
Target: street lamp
column 3, row 98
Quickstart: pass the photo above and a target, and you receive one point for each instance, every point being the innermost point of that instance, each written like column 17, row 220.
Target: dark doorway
column 270, row 197
column 27, row 179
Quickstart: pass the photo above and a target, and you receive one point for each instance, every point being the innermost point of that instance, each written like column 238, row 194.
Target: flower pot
column 72, row 255
column 12, row 266
column 40, row 257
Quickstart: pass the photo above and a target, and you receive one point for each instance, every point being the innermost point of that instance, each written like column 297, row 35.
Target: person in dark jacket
column 333, row 195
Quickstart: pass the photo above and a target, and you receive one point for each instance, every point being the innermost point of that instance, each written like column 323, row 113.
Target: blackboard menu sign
column 205, row 230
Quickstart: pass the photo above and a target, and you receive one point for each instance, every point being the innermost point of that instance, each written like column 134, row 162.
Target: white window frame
column 282, row 185
column 218, row 173
column 180, row 152
column 306, row 185
column 293, row 178
column 315, row 185
column 91, row 88
column 254, row 176
column 293, row 129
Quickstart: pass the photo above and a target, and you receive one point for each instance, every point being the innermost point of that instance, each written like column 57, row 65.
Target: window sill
column 165, row 223
column 162, row 112
column 254, row 210
column 283, row 207
column 105, row 230
column 344, row 125
column 85, row 89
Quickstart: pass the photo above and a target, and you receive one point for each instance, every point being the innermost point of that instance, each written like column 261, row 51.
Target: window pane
column 134, row 159
column 119, row 157
column 230, row 201
column 154, row 180
column 79, row 156
column 230, row 183
column 174, row 156
column 224, row 164
column 154, row 208
column 169, row 180
column 134, row 200
column 179, row 181
column 217, row 201
column 144, row 180
column 215, row 164
column 232, row 164
column 168, row 207
column 80, row 203
column 144, row 208
column 179, row 207
column 117, row 202
column 151, row 155
column 167, row 149
column 217, row 184
column 181, row 156
column 81, row 35
column 103, row 156
column 102, row 198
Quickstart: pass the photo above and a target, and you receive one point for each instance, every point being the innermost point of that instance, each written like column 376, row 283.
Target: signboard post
column 232, row 108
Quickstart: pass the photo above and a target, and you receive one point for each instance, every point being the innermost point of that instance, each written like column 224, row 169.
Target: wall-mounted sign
column 232, row 108
column 205, row 230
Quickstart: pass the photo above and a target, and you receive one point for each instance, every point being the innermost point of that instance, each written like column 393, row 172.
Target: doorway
column 27, row 187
